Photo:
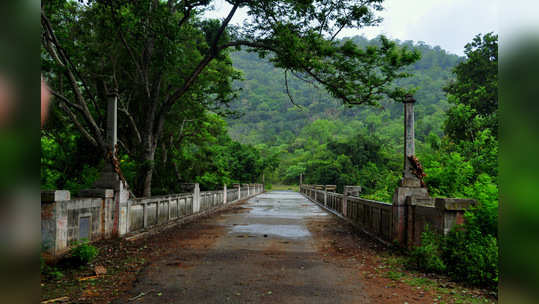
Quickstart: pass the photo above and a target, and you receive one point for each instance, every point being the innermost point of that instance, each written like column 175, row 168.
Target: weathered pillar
column 408, row 178
column 224, row 194
column 300, row 179
column 345, row 203
column 239, row 190
column 410, row 184
column 196, row 199
column 109, row 177
column 54, row 221
column 325, row 196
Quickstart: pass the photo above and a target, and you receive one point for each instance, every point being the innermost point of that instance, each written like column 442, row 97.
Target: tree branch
column 68, row 66
column 65, row 100
column 79, row 126
column 132, row 123
column 288, row 91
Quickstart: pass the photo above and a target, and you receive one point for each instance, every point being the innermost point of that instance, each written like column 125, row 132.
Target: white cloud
column 450, row 23
column 447, row 23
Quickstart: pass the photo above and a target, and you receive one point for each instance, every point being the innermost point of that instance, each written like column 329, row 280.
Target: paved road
column 262, row 253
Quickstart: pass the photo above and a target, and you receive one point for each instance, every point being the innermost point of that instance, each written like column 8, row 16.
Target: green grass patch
column 422, row 282
column 285, row 187
column 394, row 275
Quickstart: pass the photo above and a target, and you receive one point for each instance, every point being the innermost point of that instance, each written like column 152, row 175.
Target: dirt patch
column 381, row 270
column 124, row 260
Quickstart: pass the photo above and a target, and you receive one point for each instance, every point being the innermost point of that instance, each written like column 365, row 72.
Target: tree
column 475, row 91
column 165, row 60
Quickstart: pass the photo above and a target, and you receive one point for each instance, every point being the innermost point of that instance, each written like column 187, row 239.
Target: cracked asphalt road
column 261, row 253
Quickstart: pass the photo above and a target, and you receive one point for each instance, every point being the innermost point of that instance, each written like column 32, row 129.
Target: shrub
column 472, row 257
column 466, row 254
column 427, row 257
column 51, row 272
column 83, row 253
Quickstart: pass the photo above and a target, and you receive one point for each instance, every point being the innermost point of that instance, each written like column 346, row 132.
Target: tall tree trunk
column 145, row 173
column 148, row 174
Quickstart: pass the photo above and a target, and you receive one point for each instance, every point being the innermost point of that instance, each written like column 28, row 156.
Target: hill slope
column 270, row 117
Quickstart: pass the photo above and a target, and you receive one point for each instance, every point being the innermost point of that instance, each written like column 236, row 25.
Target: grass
column 394, row 275
column 285, row 187
column 392, row 268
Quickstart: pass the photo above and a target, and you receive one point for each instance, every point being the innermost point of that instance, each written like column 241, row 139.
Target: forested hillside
column 315, row 122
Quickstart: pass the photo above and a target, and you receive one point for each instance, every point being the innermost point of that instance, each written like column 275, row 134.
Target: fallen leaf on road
column 99, row 270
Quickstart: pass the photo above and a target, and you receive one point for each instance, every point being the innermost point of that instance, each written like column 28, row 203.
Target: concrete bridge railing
column 370, row 216
column 65, row 220
column 401, row 221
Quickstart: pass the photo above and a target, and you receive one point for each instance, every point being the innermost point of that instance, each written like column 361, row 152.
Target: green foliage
column 466, row 254
column 83, row 253
column 464, row 164
column 471, row 256
column 318, row 138
column 180, row 70
column 427, row 257
column 475, row 91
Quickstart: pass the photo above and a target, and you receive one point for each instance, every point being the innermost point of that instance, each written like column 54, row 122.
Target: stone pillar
column 300, row 179
column 408, row 178
column 239, row 190
column 325, row 197
column 54, row 221
column 224, row 194
column 345, row 203
column 109, row 178
column 196, row 199
column 410, row 184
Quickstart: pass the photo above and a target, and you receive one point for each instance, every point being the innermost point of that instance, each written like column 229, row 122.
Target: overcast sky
column 447, row 23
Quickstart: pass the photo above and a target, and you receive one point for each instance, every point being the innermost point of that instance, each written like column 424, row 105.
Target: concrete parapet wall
column 373, row 217
column 402, row 221
column 65, row 220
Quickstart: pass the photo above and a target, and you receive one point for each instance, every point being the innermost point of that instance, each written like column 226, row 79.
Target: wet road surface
column 261, row 253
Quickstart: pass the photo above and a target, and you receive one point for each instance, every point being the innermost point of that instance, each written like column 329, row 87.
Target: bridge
column 247, row 245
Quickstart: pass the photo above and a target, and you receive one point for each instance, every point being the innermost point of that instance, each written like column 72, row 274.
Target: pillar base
column 399, row 210
column 410, row 182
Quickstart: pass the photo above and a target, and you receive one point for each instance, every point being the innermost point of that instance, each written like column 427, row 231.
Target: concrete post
column 144, row 215
column 410, row 184
column 345, row 202
column 109, row 178
column 300, row 179
column 239, row 190
column 325, row 196
column 196, row 199
column 168, row 206
column 408, row 178
column 54, row 220
column 224, row 194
